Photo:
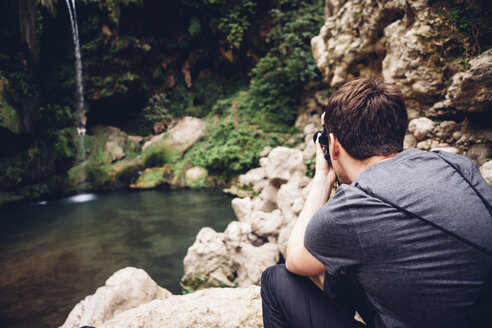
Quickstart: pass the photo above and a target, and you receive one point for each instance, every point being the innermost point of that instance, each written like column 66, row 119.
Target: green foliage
column 195, row 26
column 311, row 167
column 231, row 148
column 472, row 18
column 112, row 7
column 231, row 19
column 158, row 155
column 64, row 144
column 98, row 175
column 202, row 97
column 278, row 79
column 156, row 110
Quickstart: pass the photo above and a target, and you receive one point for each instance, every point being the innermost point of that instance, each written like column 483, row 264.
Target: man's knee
column 271, row 276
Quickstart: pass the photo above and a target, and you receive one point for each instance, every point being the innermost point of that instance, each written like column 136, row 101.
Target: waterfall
column 79, row 112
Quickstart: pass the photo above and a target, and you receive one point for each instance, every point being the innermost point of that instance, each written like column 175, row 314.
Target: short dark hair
column 368, row 117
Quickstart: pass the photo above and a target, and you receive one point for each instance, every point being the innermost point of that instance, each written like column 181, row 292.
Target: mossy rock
column 77, row 175
column 197, row 177
column 202, row 282
column 9, row 197
column 153, row 177
column 9, row 118
column 126, row 170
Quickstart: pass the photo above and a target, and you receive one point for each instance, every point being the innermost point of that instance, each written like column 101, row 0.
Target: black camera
column 322, row 138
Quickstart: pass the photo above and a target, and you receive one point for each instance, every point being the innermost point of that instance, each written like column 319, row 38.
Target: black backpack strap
column 438, row 227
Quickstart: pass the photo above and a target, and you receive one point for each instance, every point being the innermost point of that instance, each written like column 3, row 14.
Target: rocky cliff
column 438, row 64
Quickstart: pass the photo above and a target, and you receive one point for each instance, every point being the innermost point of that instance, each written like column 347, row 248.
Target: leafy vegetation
column 472, row 18
column 158, row 155
column 278, row 78
column 231, row 148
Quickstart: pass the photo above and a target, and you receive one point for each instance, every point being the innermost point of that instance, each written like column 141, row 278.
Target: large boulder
column 187, row 131
column 125, row 289
column 486, row 170
column 207, row 262
column 282, row 164
column 470, row 90
column 209, row 308
column 196, row 177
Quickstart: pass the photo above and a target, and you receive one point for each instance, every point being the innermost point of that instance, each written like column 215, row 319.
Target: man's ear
column 333, row 146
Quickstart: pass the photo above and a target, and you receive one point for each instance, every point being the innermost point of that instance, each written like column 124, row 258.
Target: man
column 406, row 240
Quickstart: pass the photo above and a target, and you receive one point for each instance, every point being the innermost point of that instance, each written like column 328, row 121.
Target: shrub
column 232, row 149
column 279, row 77
column 158, row 155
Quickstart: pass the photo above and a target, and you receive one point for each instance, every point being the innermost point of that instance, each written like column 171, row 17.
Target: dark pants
column 290, row 300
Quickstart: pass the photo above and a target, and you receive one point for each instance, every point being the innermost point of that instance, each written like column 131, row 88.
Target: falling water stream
column 80, row 89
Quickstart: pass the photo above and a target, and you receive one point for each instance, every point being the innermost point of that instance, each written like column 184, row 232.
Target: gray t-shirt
column 413, row 274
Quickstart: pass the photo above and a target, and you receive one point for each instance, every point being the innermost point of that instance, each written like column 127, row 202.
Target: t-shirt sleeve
column 331, row 234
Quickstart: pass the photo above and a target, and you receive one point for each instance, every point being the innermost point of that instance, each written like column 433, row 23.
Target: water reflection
column 54, row 255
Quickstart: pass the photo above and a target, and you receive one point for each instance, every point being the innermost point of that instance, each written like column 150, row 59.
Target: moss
column 158, row 155
column 98, row 176
column 9, row 118
column 197, row 283
column 9, row 197
column 153, row 177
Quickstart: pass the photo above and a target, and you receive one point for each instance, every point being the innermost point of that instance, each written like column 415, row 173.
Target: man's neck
column 355, row 167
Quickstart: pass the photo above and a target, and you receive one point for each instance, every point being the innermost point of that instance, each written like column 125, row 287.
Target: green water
column 52, row 255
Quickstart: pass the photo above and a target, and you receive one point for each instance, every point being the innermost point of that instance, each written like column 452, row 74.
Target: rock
column 282, row 164
column 252, row 177
column 470, row 90
column 125, row 289
column 242, row 207
column 153, row 177
column 237, row 234
column 207, row 262
column 135, row 139
column 421, row 128
column 486, row 171
column 267, row 225
column 265, row 151
column 452, row 150
column 283, row 237
column 214, row 307
column 239, row 192
column 479, row 153
column 196, row 176
column 409, row 141
column 446, row 129
column 322, row 97
column 251, row 261
column 309, row 146
column 290, row 199
column 187, row 131
column 126, row 170
column 107, row 145
column 114, row 150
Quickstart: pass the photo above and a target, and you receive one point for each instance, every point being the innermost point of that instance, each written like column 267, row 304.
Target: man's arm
column 298, row 260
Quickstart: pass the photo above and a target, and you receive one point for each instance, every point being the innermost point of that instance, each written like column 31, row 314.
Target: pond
column 54, row 254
